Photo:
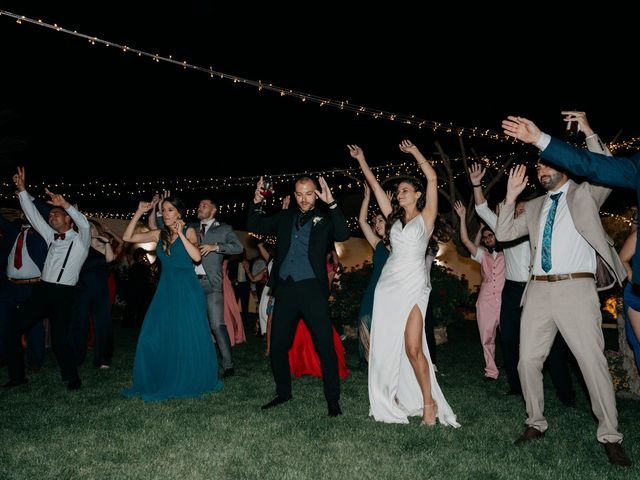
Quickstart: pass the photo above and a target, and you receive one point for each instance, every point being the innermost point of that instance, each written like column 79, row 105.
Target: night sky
column 69, row 107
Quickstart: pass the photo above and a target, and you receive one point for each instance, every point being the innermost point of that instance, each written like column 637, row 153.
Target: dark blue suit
column 13, row 295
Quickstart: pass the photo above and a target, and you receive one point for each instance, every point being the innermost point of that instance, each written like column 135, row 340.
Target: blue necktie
column 548, row 232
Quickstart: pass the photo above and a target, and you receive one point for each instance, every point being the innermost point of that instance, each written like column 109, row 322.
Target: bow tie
column 303, row 217
column 59, row 236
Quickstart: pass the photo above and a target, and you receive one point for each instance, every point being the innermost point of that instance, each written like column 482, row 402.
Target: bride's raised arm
column 430, row 211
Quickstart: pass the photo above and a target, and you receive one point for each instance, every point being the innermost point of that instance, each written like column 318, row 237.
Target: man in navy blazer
column 18, row 277
column 300, row 282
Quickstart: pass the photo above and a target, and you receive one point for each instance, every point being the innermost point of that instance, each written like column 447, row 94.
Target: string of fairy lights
column 340, row 179
column 625, row 145
column 345, row 105
column 99, row 189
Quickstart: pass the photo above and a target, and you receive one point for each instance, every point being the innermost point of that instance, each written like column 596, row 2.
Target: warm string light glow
column 619, row 218
column 411, row 120
column 270, row 239
column 97, row 189
column 626, row 144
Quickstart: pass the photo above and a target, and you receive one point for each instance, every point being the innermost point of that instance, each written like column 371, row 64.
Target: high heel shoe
column 433, row 405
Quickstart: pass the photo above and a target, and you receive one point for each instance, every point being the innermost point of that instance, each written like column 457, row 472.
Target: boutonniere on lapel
column 215, row 224
column 317, row 220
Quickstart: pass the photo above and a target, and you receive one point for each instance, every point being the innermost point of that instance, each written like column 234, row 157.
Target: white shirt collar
column 564, row 189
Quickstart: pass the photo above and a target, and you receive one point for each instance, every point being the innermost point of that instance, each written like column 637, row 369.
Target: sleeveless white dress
column 394, row 392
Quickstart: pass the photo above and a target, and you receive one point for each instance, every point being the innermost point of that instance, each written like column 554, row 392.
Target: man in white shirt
column 53, row 296
column 568, row 247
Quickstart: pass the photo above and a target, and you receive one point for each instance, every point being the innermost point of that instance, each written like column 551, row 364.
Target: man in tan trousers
column 569, row 250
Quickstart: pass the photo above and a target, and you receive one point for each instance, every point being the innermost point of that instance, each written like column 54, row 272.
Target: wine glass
column 267, row 188
column 265, row 191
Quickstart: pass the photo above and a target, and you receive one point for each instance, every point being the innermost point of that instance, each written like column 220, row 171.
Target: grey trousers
column 215, row 309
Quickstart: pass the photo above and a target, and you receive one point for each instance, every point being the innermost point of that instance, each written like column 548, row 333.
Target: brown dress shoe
column 616, row 454
column 529, row 434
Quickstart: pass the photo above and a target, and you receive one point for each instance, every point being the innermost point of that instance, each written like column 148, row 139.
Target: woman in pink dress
column 491, row 259
column 232, row 318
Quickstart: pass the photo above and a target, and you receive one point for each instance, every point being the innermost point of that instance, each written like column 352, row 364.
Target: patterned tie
column 59, row 236
column 17, row 255
column 548, row 232
column 203, row 230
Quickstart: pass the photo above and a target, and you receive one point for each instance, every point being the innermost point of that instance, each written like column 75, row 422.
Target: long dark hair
column 397, row 212
column 165, row 233
column 385, row 238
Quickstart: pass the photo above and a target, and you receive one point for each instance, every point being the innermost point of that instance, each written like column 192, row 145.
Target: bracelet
column 478, row 185
column 420, row 163
column 333, row 203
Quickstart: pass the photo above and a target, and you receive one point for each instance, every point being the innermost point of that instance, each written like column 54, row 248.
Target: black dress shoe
column 529, row 434
column 334, row 409
column 275, row 402
column 74, row 384
column 15, row 383
column 229, row 372
column 616, row 454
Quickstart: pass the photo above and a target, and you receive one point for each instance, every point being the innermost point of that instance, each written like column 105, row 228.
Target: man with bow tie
column 23, row 259
column 52, row 296
column 216, row 240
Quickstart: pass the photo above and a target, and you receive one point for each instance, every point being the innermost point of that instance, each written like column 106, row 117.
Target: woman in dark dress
column 175, row 356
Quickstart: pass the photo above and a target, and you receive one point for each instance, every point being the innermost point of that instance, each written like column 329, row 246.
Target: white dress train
column 394, row 392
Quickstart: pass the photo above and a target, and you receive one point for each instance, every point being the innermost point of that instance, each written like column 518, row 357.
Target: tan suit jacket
column 584, row 201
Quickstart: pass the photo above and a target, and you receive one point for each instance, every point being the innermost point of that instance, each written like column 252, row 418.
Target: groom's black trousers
column 305, row 299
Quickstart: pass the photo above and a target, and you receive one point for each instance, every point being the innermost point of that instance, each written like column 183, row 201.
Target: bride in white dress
column 402, row 381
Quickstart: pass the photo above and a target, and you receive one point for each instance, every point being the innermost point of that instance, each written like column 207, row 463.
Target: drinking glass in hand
column 265, row 191
column 572, row 130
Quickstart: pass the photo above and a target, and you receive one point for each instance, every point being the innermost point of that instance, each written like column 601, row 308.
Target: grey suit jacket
column 228, row 243
column 584, row 201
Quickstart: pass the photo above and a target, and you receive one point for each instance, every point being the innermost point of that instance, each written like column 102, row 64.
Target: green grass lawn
column 47, row 432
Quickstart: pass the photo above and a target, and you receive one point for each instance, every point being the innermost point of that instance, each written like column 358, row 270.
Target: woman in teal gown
column 175, row 356
column 377, row 239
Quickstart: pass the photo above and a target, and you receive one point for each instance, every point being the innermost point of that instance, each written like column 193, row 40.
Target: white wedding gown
column 394, row 392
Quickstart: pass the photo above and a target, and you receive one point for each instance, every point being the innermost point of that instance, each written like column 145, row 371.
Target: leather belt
column 24, row 281
column 563, row 276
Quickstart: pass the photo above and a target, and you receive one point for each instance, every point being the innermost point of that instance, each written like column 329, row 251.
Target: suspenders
column 64, row 264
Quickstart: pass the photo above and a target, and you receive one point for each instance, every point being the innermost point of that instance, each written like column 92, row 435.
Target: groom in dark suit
column 299, row 281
